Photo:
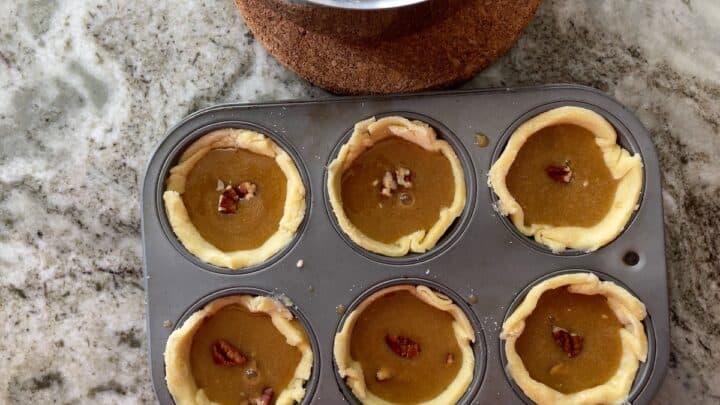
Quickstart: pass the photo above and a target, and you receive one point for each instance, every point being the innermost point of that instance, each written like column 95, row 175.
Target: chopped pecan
column 449, row 359
column 403, row 346
column 266, row 397
column 383, row 374
column 561, row 174
column 226, row 355
column 403, row 177
column 388, row 184
column 227, row 202
column 246, row 190
column 232, row 194
column 570, row 343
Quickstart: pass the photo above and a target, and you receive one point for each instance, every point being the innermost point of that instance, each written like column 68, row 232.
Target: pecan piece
column 226, row 355
column 388, row 184
column 403, row 346
column 227, row 202
column 266, row 397
column 561, row 174
column 570, row 343
column 404, row 177
column 246, row 190
column 232, row 194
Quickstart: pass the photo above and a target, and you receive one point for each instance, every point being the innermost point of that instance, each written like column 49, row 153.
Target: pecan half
column 561, row 174
column 266, row 397
column 403, row 346
column 226, row 355
column 570, row 343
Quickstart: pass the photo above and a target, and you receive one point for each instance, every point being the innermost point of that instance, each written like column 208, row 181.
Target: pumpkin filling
column 238, row 357
column 235, row 198
column 559, row 178
column 407, row 349
column 396, row 188
column 571, row 342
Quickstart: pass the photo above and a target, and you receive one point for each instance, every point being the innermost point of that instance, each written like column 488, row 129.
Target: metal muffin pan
column 482, row 262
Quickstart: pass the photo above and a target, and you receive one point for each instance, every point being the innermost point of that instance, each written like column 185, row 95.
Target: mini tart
column 629, row 312
column 352, row 371
column 188, row 233
column 178, row 364
column 624, row 169
column 367, row 134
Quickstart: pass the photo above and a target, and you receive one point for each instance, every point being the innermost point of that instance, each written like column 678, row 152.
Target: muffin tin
column 482, row 262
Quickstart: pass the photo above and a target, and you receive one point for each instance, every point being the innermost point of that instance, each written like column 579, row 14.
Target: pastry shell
column 351, row 370
column 624, row 167
column 187, row 233
column 178, row 372
column 629, row 311
column 367, row 133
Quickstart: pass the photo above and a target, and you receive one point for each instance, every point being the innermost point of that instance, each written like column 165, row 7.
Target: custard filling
column 238, row 357
column 423, row 185
column 571, row 342
column 560, row 178
column 407, row 349
column 252, row 220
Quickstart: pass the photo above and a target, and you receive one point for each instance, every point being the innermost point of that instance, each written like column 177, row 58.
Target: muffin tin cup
column 453, row 232
column 479, row 346
column 645, row 369
column 311, row 383
column 481, row 256
column 625, row 139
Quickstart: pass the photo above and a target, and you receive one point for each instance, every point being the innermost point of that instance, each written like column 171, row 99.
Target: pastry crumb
column 300, row 263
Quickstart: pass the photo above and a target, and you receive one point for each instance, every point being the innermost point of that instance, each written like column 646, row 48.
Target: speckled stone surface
column 89, row 87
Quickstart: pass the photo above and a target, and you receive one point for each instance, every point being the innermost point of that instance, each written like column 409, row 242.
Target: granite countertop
column 89, row 87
